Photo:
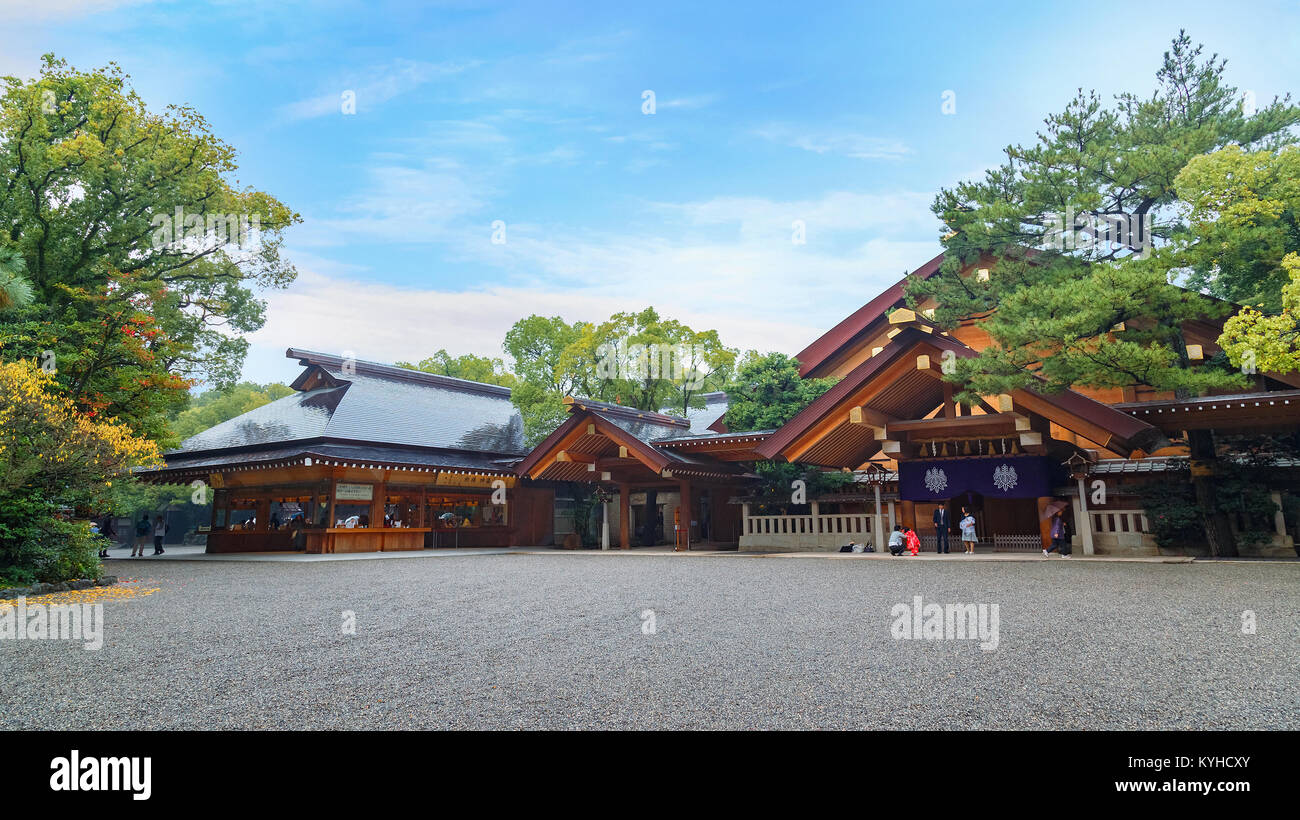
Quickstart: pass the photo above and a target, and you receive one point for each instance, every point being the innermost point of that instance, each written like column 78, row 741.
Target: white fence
column 805, row 532
column 1104, row 521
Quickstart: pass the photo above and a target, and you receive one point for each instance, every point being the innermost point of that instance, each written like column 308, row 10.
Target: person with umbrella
column 1060, row 532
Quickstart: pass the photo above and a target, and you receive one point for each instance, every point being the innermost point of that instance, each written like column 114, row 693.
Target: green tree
column 1072, row 307
column 215, row 406
column 639, row 359
column 15, row 291
column 767, row 392
column 1069, row 300
column 645, row 361
column 467, row 366
column 1244, row 246
column 545, row 363
column 135, row 303
column 1243, row 208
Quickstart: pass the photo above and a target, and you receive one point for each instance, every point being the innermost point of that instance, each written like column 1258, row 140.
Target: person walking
column 913, row 541
column 1060, row 537
column 142, row 530
column 897, row 540
column 941, row 525
column 159, row 530
column 968, row 536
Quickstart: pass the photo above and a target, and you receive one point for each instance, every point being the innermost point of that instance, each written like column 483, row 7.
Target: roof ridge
column 623, row 411
column 308, row 358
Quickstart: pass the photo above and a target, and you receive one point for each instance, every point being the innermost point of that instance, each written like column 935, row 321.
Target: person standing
column 968, row 536
column 142, row 530
column 941, row 525
column 107, row 530
column 159, row 530
column 913, row 540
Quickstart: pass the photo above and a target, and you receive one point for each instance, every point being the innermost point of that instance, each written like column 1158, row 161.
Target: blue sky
column 531, row 113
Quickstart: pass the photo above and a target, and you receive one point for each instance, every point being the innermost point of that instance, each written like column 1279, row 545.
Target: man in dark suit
column 941, row 525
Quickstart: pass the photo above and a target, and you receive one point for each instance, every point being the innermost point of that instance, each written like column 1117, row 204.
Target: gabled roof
column 837, row 337
column 595, row 430
column 366, row 402
column 909, row 400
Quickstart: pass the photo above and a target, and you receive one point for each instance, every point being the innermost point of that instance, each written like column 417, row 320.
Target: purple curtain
column 992, row 477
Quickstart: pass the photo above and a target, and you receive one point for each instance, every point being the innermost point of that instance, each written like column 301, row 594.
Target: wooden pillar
column 1044, row 524
column 909, row 515
column 263, row 514
column 625, row 516
column 744, row 519
column 1083, row 520
column 377, row 502
column 878, row 525
column 893, row 516
column 334, row 487
column 687, row 505
column 419, row 516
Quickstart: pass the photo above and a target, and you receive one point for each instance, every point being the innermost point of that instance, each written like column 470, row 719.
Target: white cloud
column 373, row 87
column 827, row 140
column 697, row 101
column 402, row 204
column 727, row 263
column 386, row 323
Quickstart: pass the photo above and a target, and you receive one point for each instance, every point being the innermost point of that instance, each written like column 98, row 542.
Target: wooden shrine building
column 365, row 457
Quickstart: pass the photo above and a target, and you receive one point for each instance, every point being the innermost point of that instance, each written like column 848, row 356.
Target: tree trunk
column 1217, row 532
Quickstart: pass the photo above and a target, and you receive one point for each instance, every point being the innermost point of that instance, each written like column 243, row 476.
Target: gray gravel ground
column 555, row 641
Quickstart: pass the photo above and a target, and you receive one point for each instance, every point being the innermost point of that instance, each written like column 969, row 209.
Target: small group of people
column 143, row 529
column 904, row 538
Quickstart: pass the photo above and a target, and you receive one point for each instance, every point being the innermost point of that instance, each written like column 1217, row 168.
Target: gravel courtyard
column 555, row 641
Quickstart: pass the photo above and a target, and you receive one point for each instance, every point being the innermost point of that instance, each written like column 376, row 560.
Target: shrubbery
column 54, row 461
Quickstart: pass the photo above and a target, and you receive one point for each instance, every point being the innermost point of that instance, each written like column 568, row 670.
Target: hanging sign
column 354, row 492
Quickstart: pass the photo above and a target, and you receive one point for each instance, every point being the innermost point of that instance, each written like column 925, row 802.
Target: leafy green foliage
column 481, row 369
column 777, row 477
column 133, row 317
column 636, row 359
column 1243, row 208
column 767, row 392
column 15, row 291
column 55, row 460
column 1058, row 304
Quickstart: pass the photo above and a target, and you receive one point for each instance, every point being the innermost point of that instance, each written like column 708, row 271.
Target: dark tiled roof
column 323, row 451
column 376, row 404
column 715, row 405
